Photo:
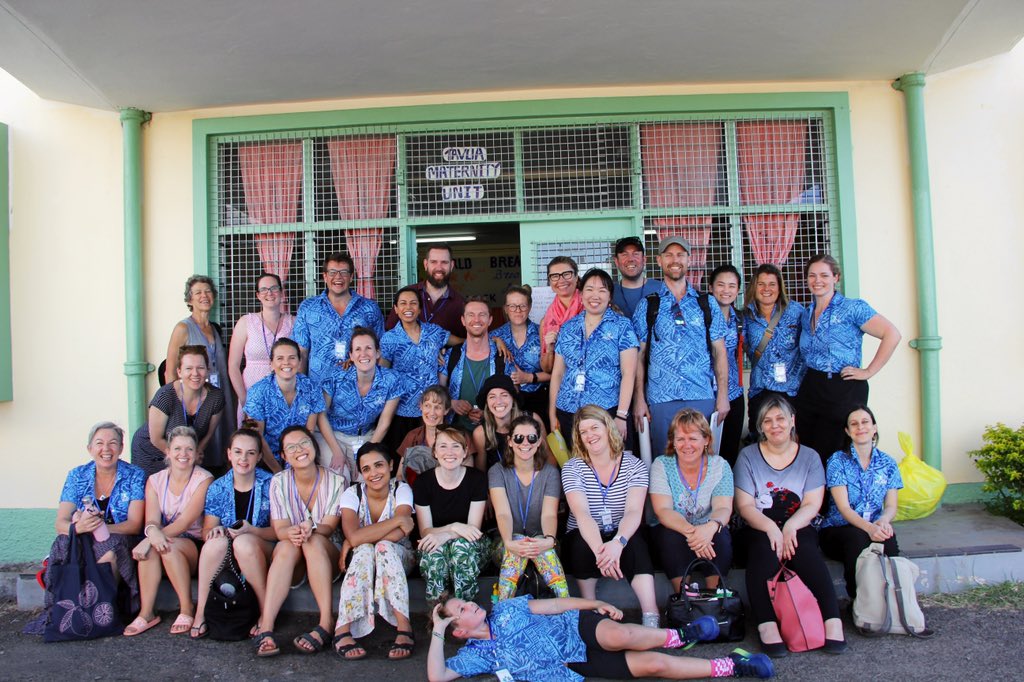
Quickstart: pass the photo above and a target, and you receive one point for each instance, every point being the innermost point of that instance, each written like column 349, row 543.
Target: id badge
column 214, row 379
column 779, row 370
column 867, row 514
column 504, row 675
column 581, row 382
column 339, row 350
column 606, row 518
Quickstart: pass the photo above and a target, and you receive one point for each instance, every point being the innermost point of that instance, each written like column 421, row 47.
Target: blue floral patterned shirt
column 455, row 380
column 129, row 485
column 680, row 366
column 352, row 413
column 325, row 334
column 220, row 499
column 525, row 357
column 783, row 349
column 530, row 647
column 836, row 342
column 266, row 403
column 597, row 358
column 416, row 363
column 866, row 489
column 732, row 342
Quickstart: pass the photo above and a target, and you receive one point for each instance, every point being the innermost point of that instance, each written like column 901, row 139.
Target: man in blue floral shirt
column 681, row 371
column 566, row 639
column 324, row 323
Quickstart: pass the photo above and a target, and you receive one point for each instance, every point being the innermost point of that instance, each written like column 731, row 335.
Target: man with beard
column 468, row 365
column 681, row 372
column 633, row 285
column 440, row 303
column 324, row 323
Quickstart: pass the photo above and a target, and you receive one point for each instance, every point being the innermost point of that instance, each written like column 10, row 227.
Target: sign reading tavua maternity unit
column 464, row 163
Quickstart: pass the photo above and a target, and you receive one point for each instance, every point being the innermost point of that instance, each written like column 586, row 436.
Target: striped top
column 577, row 476
column 286, row 503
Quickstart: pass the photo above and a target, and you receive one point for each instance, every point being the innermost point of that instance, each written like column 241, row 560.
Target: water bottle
column 102, row 533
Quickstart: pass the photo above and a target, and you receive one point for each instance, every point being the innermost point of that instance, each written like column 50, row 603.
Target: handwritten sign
column 462, row 192
column 450, row 154
column 466, row 171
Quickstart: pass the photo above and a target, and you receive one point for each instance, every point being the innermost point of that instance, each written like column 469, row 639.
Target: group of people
column 364, row 453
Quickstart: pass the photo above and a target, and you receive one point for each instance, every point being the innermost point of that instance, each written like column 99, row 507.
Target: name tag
column 606, row 518
column 339, row 350
column 504, row 675
column 581, row 382
column 779, row 370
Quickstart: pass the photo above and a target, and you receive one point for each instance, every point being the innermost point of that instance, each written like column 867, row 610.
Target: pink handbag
column 797, row 611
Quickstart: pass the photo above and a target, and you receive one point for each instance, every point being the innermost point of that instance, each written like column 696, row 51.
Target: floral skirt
column 375, row 584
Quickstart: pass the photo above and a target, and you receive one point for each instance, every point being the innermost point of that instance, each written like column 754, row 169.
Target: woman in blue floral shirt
column 237, row 505
column 864, row 482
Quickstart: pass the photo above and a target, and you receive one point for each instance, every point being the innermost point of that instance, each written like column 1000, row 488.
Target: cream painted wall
column 89, row 181
column 67, row 293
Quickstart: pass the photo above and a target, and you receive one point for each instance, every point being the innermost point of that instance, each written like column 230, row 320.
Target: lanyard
column 263, row 333
column 866, row 475
column 167, row 488
column 426, row 299
column 611, row 481
column 692, row 493
column 312, row 492
column 585, row 345
column 475, row 381
column 184, row 412
column 529, row 496
column 252, row 496
column 388, row 511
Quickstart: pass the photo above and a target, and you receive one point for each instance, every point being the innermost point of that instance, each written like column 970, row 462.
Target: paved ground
column 971, row 644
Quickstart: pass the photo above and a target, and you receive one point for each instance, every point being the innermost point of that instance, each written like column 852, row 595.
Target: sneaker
column 751, row 665
column 704, row 629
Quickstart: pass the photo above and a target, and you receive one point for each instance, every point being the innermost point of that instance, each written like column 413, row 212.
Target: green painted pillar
column 135, row 367
column 928, row 343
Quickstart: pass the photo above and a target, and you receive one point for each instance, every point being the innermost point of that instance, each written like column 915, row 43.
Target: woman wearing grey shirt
column 524, row 491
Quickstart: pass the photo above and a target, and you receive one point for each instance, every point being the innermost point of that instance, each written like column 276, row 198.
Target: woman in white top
column 376, row 516
column 174, row 515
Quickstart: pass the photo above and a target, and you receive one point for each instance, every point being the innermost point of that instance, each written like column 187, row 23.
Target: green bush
column 1001, row 459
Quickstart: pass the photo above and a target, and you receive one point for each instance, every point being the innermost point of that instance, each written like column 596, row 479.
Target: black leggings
column 845, row 543
column 732, row 430
column 676, row 554
column 822, row 406
column 808, row 563
column 580, row 562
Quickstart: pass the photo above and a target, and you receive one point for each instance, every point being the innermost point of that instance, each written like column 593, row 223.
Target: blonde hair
column 600, row 414
column 688, row 418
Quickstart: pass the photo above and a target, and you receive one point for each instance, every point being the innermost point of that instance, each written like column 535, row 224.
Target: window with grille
column 743, row 188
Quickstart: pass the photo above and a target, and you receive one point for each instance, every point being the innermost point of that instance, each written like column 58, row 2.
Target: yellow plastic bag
column 922, row 485
column 558, row 448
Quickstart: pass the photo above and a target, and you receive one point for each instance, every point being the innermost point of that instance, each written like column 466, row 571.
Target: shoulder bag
column 723, row 604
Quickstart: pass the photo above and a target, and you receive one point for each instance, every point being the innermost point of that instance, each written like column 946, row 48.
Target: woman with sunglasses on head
column 237, row 507
column 525, row 489
column 563, row 278
column 254, row 335
column 522, row 337
column 376, row 517
column 304, row 515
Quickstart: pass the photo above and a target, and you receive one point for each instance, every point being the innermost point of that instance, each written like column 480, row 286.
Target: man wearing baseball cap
column 631, row 263
column 681, row 371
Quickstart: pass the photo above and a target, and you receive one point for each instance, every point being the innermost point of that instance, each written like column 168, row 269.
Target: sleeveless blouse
column 258, row 342
column 171, row 505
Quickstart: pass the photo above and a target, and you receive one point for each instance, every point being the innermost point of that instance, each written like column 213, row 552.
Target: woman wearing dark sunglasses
column 525, row 489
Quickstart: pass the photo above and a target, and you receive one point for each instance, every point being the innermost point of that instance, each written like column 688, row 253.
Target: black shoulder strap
column 705, row 306
column 653, row 304
column 453, row 359
column 499, row 363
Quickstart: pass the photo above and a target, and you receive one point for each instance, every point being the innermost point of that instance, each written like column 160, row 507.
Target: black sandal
column 258, row 641
column 316, row 646
column 345, row 648
column 408, row 649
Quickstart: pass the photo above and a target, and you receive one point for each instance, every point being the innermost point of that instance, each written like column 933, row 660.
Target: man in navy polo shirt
column 681, row 372
column 633, row 285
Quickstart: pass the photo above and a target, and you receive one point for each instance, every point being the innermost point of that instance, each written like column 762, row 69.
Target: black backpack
column 456, row 354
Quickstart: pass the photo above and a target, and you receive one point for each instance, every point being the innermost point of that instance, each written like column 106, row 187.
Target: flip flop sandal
column 182, row 624
column 407, row 649
column 345, row 648
column 315, row 646
column 140, row 625
column 258, row 641
column 199, row 631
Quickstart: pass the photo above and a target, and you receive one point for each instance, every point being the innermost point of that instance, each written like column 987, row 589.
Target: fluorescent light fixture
column 444, row 238
column 650, row 232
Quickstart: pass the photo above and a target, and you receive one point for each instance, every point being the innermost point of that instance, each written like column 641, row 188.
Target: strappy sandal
column 343, row 650
column 262, row 637
column 315, row 646
column 406, row 649
column 199, row 631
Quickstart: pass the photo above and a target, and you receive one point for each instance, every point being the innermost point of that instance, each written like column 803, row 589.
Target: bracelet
column 720, row 525
column 622, row 414
column 533, row 377
column 619, row 416
column 145, row 531
column 437, row 634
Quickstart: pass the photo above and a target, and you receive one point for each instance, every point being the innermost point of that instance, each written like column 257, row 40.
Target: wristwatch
column 622, row 540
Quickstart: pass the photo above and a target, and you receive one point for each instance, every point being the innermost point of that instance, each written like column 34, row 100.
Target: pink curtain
column 680, row 162
column 771, row 171
column 697, row 231
column 272, row 181
column 363, row 169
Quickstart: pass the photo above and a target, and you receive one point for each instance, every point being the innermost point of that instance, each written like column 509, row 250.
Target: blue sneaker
column 751, row 665
column 704, row 629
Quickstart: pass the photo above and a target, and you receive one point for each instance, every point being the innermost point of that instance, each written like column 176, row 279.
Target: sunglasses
column 531, row 439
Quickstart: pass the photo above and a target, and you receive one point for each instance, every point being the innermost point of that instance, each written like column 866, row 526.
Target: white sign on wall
column 462, row 192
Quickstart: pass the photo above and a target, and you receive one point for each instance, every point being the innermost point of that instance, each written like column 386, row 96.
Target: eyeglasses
column 531, row 439
column 268, row 290
column 555, row 276
column 518, row 308
column 338, row 273
column 297, row 447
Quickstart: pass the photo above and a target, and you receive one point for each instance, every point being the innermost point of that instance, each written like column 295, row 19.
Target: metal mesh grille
column 460, row 173
column 587, row 254
column 577, row 169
